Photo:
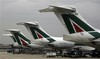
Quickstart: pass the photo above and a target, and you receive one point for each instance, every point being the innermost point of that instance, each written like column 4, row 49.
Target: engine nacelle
column 62, row 44
column 85, row 48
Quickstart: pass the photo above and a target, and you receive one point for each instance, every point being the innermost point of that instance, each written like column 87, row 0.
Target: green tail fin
column 39, row 34
column 14, row 39
column 75, row 24
column 21, row 39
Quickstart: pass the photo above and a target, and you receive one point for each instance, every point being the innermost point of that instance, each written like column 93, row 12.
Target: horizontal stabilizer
column 28, row 23
column 7, row 35
column 67, row 9
column 13, row 30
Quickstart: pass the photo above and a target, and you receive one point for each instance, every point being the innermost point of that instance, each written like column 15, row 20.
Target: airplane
column 12, row 37
column 22, row 40
column 54, row 42
column 40, row 35
column 80, row 31
column 15, row 47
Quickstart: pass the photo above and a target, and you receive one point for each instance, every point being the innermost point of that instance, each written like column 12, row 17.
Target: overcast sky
column 14, row 11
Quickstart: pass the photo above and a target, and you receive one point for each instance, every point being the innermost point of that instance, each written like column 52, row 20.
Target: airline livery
column 15, row 44
column 22, row 40
column 81, row 34
column 40, row 35
column 80, row 31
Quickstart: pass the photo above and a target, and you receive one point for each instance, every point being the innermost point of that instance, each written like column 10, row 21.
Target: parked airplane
column 12, row 37
column 80, row 31
column 22, row 39
column 40, row 35
column 15, row 47
column 55, row 42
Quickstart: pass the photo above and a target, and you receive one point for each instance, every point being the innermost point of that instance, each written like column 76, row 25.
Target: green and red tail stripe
column 39, row 34
column 21, row 39
column 75, row 24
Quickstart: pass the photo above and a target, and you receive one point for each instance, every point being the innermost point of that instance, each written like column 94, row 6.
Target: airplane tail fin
column 10, row 35
column 71, row 19
column 36, row 31
column 20, row 38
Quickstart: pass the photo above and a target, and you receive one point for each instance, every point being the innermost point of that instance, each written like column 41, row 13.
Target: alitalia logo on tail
column 76, row 27
column 39, row 34
column 21, row 39
column 75, row 24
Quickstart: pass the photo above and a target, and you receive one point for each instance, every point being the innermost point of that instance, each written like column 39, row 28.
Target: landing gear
column 95, row 53
column 75, row 53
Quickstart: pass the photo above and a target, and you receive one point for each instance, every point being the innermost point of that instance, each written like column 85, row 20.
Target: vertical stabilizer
column 71, row 19
column 20, row 37
column 36, row 31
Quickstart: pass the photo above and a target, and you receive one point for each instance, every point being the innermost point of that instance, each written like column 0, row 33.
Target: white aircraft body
column 22, row 40
column 81, row 32
column 40, row 35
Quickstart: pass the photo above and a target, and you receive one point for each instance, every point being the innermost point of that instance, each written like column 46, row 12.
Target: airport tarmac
column 5, row 55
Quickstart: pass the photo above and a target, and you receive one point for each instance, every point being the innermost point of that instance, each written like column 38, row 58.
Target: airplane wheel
column 95, row 54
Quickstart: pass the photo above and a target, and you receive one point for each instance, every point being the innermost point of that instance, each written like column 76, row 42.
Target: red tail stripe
column 23, row 42
column 39, row 35
column 77, row 28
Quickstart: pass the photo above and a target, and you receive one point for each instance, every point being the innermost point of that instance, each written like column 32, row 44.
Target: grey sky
column 14, row 11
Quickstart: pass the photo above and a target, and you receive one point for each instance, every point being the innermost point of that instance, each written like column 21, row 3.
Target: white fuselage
column 58, row 43
column 83, row 38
